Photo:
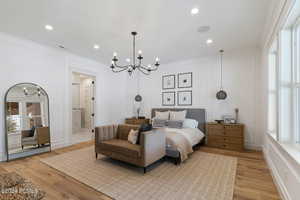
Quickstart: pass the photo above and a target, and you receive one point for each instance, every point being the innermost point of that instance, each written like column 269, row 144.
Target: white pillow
column 162, row 115
column 133, row 136
column 177, row 115
column 190, row 123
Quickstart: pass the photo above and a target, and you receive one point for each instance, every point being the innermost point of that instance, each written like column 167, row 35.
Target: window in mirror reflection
column 13, row 117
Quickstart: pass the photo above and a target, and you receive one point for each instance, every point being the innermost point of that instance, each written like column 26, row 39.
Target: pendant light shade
column 221, row 94
column 138, row 98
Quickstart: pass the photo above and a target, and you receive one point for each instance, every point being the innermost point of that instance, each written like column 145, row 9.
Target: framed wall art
column 168, row 82
column 168, row 98
column 185, row 98
column 185, row 80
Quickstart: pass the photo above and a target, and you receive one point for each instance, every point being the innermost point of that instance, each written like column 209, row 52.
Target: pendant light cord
column 133, row 58
column 138, row 83
column 221, row 58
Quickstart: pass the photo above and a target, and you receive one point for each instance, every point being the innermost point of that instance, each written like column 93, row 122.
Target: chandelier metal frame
column 137, row 62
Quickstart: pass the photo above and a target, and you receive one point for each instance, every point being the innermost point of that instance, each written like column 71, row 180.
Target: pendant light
column 221, row 95
column 138, row 97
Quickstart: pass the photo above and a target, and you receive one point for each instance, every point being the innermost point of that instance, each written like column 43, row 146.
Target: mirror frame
column 5, row 119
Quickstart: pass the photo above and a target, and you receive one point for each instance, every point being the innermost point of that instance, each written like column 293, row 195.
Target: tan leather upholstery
column 41, row 136
column 122, row 147
column 124, row 129
column 112, row 141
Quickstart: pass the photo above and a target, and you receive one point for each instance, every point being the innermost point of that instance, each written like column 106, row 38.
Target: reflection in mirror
column 27, row 121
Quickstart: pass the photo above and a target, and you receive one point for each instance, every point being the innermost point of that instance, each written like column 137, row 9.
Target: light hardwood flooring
column 253, row 179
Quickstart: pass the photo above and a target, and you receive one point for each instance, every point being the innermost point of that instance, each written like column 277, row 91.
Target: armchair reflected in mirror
column 27, row 121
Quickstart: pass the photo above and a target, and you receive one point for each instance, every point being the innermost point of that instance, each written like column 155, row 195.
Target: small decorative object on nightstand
column 137, row 121
column 225, row 136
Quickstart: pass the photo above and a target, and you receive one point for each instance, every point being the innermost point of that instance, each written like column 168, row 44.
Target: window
column 13, row 117
column 284, row 85
column 296, row 80
column 272, row 90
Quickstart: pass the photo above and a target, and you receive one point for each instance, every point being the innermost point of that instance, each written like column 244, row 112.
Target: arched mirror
column 27, row 121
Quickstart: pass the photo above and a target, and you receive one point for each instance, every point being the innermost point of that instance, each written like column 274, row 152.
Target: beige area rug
column 203, row 176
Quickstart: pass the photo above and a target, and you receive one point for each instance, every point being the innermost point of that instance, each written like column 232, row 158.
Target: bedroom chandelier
column 136, row 62
column 38, row 92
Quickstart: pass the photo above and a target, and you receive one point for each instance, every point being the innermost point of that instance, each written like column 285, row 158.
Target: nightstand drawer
column 134, row 121
column 233, row 131
column 216, row 130
column 224, row 139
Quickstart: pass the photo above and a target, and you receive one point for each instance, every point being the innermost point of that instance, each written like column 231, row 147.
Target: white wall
column 240, row 80
column 26, row 61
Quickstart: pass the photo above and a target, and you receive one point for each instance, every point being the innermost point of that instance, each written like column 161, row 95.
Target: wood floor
column 253, row 179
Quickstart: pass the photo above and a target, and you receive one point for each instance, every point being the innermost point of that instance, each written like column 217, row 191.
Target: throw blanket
column 183, row 139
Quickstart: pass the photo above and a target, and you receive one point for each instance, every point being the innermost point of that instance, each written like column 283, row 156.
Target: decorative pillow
column 190, row 123
column 133, row 136
column 177, row 115
column 175, row 124
column 158, row 123
column 162, row 115
column 10, row 179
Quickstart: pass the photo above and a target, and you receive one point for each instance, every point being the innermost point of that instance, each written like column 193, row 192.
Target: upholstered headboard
column 192, row 113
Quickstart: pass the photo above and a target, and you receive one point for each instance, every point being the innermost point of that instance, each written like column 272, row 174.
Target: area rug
column 15, row 187
column 203, row 176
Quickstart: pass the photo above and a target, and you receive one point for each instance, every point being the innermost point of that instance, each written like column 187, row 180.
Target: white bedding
column 193, row 135
column 182, row 140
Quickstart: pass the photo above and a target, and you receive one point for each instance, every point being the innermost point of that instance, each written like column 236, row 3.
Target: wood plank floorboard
column 253, row 178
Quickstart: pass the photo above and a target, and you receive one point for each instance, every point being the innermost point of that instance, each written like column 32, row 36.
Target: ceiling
column 166, row 28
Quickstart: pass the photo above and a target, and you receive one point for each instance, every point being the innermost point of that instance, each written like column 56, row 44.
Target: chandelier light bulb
column 127, row 60
column 112, row 62
column 157, row 59
column 115, row 54
column 140, row 52
column 149, row 66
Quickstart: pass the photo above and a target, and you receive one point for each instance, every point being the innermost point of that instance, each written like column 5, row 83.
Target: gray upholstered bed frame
column 192, row 113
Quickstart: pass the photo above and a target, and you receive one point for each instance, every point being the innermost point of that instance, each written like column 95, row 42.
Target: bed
column 192, row 113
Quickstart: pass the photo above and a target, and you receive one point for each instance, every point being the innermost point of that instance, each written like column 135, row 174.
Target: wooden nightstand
column 225, row 136
column 135, row 121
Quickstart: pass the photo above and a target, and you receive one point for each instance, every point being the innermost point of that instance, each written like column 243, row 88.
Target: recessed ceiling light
column 96, row 46
column 194, row 11
column 209, row 41
column 49, row 27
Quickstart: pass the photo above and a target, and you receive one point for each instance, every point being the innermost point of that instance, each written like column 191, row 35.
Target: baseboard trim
column 275, row 175
column 253, row 147
column 2, row 157
column 58, row 145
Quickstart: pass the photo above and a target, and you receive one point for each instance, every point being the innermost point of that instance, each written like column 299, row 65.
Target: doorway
column 83, row 98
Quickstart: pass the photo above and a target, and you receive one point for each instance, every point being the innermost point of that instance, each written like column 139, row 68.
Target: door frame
column 69, row 108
